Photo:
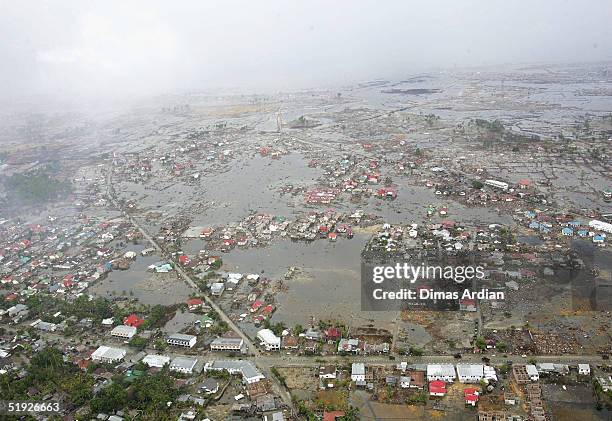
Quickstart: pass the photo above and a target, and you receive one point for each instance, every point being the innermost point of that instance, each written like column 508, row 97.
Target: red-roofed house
column 332, row 415
column 524, row 183
column 256, row 305
column 437, row 388
column 194, row 303
column 333, row 334
column 133, row 320
column 471, row 395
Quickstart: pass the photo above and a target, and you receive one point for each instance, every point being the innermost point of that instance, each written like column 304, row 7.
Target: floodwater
column 252, row 186
column 327, row 287
column 137, row 282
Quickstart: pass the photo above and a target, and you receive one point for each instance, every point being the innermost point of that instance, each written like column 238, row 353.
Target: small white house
column 358, row 372
column 124, row 332
column 584, row 369
column 269, row 340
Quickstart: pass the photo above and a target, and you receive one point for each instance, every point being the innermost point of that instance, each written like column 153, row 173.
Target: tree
column 477, row 184
column 110, row 399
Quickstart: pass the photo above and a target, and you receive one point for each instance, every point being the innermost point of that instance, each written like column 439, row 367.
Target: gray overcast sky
column 137, row 47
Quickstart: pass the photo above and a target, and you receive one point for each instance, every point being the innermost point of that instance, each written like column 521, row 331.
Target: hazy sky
column 136, row 47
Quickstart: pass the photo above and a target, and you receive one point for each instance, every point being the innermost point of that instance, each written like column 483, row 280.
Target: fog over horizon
column 86, row 48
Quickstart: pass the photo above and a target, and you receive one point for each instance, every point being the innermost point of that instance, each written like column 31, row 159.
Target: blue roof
column 567, row 230
column 534, row 225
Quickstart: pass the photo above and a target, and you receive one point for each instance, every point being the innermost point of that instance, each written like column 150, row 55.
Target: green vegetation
column 480, row 343
column 37, row 186
column 477, row 184
column 138, row 343
column 48, row 373
column 417, row 352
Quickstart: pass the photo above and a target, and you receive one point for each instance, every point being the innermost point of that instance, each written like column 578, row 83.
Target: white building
column 358, row 372
column 584, row 369
column 122, row 331
column 601, row 226
column 269, row 340
column 157, row 361
column 226, row 344
column 179, row 339
column 532, row 372
column 183, row 364
column 107, row 354
column 470, row 373
column 250, row 373
column 404, row 382
column 444, row 372
column 497, row 184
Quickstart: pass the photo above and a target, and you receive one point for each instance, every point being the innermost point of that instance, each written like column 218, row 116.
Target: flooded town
column 204, row 255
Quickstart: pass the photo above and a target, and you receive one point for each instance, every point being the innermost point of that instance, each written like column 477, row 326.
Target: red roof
column 333, row 333
column 183, row 258
column 437, row 386
column 194, row 302
column 332, row 415
column 133, row 320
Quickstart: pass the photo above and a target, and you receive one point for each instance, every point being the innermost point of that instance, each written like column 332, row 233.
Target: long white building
column 497, row 184
column 601, row 226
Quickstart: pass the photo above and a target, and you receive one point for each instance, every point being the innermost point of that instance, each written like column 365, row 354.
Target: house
column 417, row 379
column 183, row 364
column 290, row 342
column 133, row 320
column 194, row 303
column 444, row 372
column 209, row 386
column 599, row 238
column 327, row 372
column 437, row 388
column 107, row 354
column 358, row 372
column 224, row 343
column 179, row 339
column 404, row 382
column 269, row 340
column 584, row 369
column 217, row 289
column 471, row 395
column 156, row 361
column 605, row 383
column 332, row 415
column 123, row 331
column 333, row 334
column 532, row 372
column 510, row 398
column 567, row 231
column 348, row 345
column 470, row 373
column 467, row 304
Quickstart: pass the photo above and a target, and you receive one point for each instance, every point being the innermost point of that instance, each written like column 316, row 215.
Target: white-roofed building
column 470, row 373
column 123, row 331
column 584, row 369
column 445, row 372
column 183, row 364
column 358, row 372
column 157, row 361
column 269, row 340
column 532, row 372
column 107, row 354
column 180, row 339
column 250, row 373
